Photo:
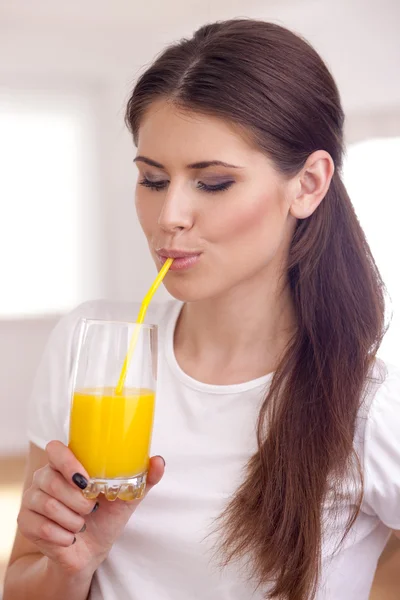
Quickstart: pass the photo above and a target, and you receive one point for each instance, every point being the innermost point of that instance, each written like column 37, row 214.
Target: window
column 370, row 173
column 43, row 198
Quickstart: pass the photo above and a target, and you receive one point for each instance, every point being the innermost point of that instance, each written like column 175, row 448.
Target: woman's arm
column 30, row 574
column 36, row 577
column 61, row 540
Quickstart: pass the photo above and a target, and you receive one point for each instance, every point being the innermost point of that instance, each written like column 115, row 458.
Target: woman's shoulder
column 381, row 456
column 65, row 333
column 381, row 398
column 120, row 311
column 380, row 402
column 383, row 387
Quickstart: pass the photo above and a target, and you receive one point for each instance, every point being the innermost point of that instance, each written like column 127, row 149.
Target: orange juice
column 110, row 434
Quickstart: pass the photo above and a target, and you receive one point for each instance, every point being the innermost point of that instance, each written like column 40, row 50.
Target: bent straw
column 139, row 321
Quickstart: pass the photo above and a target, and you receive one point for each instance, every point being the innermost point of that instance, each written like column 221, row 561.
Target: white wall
column 100, row 46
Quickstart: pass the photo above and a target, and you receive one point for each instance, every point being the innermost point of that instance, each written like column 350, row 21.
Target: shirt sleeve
column 49, row 402
column 382, row 452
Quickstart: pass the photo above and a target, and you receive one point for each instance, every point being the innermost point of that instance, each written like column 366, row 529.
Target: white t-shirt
column 206, row 434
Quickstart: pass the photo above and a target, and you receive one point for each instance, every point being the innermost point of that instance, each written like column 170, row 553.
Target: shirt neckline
column 189, row 381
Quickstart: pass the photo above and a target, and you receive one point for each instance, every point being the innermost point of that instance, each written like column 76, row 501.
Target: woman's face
column 232, row 218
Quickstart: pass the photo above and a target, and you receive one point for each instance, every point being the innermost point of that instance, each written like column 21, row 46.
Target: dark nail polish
column 95, row 507
column 80, row 480
column 73, row 541
column 83, row 528
column 162, row 458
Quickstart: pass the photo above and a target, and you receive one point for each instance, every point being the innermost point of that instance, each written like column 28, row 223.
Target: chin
column 186, row 291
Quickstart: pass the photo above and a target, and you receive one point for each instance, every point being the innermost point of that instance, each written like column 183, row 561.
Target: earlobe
column 312, row 184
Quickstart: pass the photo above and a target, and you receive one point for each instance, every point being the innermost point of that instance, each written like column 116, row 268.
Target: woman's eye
column 153, row 185
column 209, row 188
column 217, row 187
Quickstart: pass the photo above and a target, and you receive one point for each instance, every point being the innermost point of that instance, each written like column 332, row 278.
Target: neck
column 238, row 336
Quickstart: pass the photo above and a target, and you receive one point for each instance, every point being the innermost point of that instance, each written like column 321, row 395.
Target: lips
column 170, row 253
column 183, row 259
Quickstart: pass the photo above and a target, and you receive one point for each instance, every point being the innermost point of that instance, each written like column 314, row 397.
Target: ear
column 311, row 184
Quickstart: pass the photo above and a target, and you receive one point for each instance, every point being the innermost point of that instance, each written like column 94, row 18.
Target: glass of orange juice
column 110, row 432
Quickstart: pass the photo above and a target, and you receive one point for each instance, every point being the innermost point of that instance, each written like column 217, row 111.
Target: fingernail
column 73, row 541
column 83, row 528
column 80, row 480
column 95, row 507
column 162, row 458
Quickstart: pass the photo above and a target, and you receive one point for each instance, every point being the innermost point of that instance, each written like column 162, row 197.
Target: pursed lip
column 171, row 253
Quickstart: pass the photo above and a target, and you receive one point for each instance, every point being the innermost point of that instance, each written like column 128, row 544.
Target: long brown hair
column 274, row 85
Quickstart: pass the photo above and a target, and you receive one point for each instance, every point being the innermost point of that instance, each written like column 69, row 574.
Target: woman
column 278, row 424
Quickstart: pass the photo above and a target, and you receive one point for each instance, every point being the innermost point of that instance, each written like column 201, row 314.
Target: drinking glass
column 110, row 432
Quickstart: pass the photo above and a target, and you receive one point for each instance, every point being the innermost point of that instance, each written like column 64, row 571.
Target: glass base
column 124, row 489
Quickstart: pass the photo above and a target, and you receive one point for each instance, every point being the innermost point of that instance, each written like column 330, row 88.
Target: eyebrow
column 199, row 165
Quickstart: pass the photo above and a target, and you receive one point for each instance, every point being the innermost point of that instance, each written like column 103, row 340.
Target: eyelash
column 209, row 189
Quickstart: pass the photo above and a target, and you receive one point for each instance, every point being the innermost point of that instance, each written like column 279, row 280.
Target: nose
column 176, row 213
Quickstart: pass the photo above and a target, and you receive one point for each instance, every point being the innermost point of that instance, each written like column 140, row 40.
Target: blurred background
column 68, row 230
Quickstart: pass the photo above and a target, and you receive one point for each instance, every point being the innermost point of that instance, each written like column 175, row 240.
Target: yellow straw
column 139, row 321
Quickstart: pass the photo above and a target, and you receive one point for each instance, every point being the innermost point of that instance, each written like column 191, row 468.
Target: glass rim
column 150, row 326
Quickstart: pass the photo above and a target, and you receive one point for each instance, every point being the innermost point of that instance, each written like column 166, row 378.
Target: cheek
column 147, row 213
column 248, row 221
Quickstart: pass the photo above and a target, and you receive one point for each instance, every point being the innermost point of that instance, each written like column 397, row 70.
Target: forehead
column 168, row 131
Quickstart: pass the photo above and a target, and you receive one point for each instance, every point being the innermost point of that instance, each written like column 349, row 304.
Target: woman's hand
column 75, row 533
